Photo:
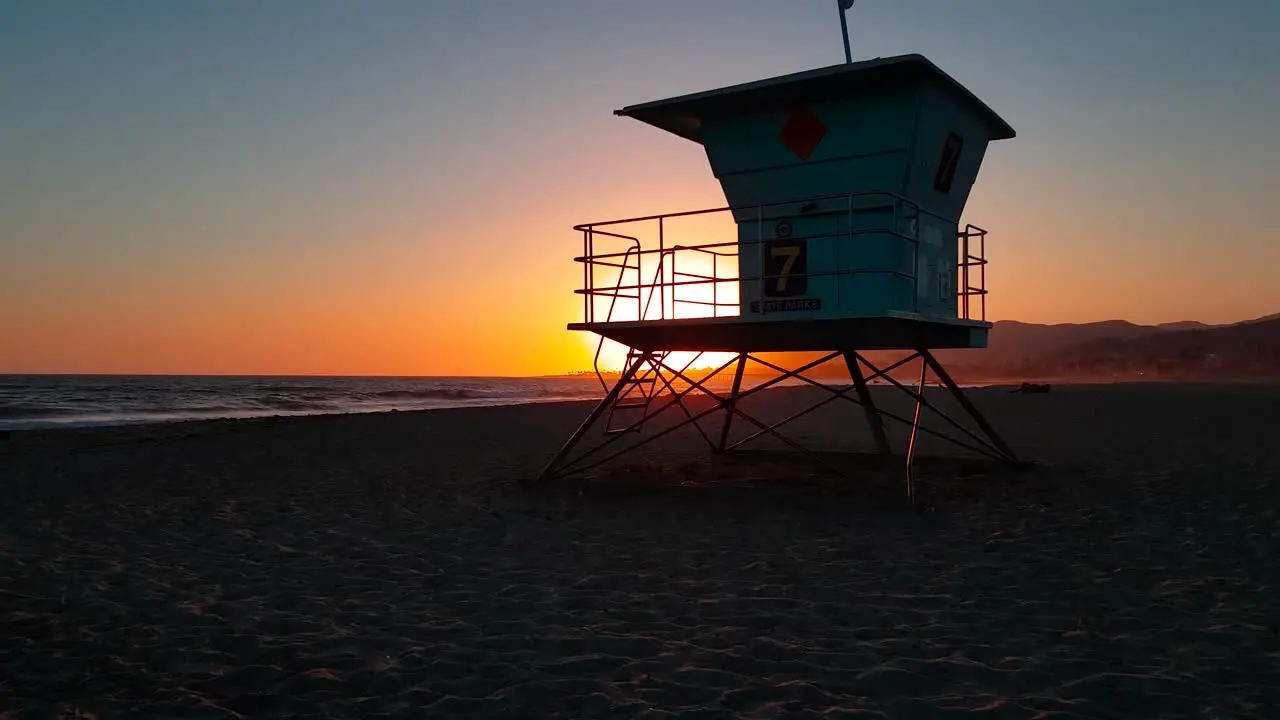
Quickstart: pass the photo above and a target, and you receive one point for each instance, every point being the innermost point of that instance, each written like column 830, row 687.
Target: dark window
column 947, row 163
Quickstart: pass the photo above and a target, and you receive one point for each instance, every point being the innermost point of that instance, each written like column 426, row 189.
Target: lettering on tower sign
column 792, row 305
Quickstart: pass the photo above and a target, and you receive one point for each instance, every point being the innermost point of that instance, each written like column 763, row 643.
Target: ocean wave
column 68, row 401
column 440, row 394
column 34, row 411
column 592, row 390
column 276, row 402
column 252, row 385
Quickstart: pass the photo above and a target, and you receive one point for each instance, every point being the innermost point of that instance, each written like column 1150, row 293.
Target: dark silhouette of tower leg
column 732, row 402
column 869, row 407
column 968, row 405
column 915, row 428
column 609, row 399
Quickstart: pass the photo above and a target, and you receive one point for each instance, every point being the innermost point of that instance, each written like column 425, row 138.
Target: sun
column 613, row 355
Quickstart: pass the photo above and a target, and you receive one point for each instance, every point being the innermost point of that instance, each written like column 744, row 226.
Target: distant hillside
column 1113, row 349
column 1014, row 342
column 1247, row 350
column 1120, row 350
column 1268, row 318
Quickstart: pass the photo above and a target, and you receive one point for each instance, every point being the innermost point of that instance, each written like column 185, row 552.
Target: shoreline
column 56, row 425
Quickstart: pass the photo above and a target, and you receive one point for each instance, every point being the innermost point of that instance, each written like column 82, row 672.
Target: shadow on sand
column 848, row 481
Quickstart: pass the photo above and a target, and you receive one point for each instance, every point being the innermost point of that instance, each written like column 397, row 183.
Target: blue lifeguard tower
column 845, row 185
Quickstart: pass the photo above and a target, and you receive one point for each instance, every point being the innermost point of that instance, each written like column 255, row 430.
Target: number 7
column 791, row 253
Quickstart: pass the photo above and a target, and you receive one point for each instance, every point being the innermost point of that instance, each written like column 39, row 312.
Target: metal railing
column 668, row 281
column 622, row 269
column 713, row 279
column 968, row 260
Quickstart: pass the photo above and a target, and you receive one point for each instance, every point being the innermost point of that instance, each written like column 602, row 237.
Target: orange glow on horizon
column 418, row 295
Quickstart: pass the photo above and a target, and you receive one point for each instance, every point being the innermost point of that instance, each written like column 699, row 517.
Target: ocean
column 44, row 401
column 52, row 401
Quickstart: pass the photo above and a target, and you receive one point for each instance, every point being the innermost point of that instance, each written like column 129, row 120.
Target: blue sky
column 194, row 153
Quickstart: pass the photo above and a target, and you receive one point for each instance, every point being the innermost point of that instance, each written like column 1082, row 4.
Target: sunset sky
column 342, row 187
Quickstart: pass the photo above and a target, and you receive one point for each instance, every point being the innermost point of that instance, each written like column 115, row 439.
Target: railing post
column 662, row 280
column 588, row 299
column 913, row 234
column 840, row 268
column 675, row 276
column 760, row 255
column 982, row 250
column 639, row 281
column 965, row 241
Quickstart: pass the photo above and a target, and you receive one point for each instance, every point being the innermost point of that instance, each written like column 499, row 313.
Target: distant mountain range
column 1116, row 349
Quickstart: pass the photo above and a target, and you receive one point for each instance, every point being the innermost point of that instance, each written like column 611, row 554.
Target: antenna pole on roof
column 844, row 27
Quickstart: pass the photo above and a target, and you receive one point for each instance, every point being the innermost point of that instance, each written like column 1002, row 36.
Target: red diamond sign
column 802, row 132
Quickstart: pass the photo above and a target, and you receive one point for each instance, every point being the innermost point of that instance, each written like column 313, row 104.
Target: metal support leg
column 609, row 399
column 869, row 406
column 915, row 427
column 986, row 448
column 732, row 402
column 969, row 407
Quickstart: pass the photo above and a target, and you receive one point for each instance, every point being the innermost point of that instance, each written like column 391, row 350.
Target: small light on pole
column 844, row 27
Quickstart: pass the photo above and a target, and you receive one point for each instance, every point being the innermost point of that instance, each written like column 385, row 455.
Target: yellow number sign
column 786, row 272
column 789, row 254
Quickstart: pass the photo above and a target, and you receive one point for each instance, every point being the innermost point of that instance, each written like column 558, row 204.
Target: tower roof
column 683, row 115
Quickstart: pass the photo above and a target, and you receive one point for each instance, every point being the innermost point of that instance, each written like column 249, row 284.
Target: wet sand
column 388, row 566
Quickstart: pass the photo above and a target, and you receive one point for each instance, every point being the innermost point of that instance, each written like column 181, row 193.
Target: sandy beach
column 388, row 565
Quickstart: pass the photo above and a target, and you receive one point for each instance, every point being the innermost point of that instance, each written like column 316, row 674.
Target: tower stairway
column 631, row 405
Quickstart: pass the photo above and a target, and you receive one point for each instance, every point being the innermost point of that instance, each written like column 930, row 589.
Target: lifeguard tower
column 846, row 185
